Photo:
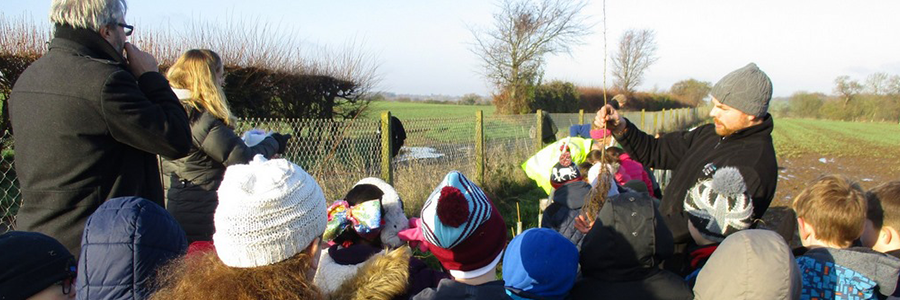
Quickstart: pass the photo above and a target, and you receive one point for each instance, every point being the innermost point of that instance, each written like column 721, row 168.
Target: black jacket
column 567, row 202
column 451, row 289
column 86, row 130
column 691, row 154
column 621, row 254
column 192, row 198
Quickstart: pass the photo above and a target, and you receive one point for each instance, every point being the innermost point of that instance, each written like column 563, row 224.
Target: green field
column 794, row 137
column 415, row 110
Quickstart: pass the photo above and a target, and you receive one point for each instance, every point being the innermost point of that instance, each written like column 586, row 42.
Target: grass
column 413, row 110
column 795, row 137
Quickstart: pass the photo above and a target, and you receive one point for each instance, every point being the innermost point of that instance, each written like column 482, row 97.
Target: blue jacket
column 855, row 273
column 124, row 243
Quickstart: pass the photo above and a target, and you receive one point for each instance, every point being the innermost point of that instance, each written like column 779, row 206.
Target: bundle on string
column 601, row 183
column 601, row 189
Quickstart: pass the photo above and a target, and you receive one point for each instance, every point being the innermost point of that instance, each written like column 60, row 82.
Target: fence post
column 580, row 116
column 387, row 171
column 655, row 122
column 643, row 125
column 539, row 131
column 662, row 123
column 479, row 147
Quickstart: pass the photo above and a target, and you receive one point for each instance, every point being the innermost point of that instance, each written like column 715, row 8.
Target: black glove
column 282, row 141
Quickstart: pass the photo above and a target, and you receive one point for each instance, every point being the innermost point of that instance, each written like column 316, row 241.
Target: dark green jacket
column 87, row 130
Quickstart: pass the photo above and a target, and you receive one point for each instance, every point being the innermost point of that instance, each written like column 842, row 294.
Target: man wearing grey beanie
column 740, row 137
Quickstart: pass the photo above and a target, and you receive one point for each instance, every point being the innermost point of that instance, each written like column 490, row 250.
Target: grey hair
column 87, row 14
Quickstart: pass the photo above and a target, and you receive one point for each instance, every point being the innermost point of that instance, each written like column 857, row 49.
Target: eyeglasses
column 128, row 28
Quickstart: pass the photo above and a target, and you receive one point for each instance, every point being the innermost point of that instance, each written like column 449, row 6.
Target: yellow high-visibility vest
column 540, row 166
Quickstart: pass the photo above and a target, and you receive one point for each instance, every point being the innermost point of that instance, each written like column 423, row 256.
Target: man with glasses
column 35, row 266
column 89, row 118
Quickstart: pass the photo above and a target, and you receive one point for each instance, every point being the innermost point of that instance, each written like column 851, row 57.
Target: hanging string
column 604, row 53
column 598, row 199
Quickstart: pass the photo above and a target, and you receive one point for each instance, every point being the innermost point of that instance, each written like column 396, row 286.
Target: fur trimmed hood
column 382, row 277
column 394, row 218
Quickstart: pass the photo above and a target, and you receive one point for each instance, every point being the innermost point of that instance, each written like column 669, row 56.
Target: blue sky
column 423, row 46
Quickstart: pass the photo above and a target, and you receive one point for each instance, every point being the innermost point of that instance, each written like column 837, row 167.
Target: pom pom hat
column 269, row 210
column 719, row 206
column 463, row 229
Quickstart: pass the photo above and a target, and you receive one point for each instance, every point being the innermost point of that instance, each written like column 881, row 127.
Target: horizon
column 423, row 48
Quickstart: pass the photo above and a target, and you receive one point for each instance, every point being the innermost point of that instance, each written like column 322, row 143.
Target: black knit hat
column 719, row 206
column 747, row 89
column 30, row 262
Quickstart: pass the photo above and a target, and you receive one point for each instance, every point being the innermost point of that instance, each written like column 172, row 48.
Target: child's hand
column 581, row 224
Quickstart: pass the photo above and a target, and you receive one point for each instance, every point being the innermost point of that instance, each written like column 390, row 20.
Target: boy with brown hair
column 882, row 230
column 830, row 215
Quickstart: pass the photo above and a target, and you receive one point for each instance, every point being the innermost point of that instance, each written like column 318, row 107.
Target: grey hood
column 750, row 264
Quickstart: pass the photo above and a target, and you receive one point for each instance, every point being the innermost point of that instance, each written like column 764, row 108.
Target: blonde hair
column 196, row 71
column 87, row 14
column 835, row 206
column 204, row 276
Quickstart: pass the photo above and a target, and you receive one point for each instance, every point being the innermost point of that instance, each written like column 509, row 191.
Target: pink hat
column 599, row 133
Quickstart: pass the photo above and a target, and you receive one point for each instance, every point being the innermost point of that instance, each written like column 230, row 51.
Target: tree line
column 877, row 98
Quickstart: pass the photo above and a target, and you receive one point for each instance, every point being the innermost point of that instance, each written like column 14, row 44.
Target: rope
column 596, row 202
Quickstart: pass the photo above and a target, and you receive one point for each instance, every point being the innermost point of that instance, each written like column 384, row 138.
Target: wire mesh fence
column 338, row 153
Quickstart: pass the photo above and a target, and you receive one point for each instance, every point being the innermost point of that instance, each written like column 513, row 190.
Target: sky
column 424, row 47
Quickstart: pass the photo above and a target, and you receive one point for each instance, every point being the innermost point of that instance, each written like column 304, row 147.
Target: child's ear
column 803, row 228
column 887, row 234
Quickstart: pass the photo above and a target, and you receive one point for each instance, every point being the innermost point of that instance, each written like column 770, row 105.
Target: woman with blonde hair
column 197, row 78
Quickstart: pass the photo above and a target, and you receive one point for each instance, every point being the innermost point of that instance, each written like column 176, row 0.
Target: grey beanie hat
column 747, row 89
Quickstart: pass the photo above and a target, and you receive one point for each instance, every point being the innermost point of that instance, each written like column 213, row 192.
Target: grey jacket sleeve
column 223, row 145
column 146, row 114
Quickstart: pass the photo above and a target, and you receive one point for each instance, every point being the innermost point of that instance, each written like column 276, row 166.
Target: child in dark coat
column 621, row 253
column 466, row 233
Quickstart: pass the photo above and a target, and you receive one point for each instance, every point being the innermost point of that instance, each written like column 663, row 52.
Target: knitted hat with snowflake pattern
column 719, row 206
column 269, row 210
column 462, row 227
column 565, row 171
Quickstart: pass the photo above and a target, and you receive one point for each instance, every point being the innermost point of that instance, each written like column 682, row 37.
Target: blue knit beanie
column 540, row 262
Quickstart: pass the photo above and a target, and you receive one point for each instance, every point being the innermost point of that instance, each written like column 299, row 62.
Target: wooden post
column 655, row 122
column 580, row 116
column 479, row 147
column 662, row 123
column 387, row 170
column 539, row 131
column 643, row 125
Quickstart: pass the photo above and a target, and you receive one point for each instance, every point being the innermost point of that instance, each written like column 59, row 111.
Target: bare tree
column 878, row 83
column 524, row 31
column 637, row 51
column 894, row 85
column 847, row 88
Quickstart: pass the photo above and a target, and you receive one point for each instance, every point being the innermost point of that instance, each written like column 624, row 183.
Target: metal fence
column 338, row 153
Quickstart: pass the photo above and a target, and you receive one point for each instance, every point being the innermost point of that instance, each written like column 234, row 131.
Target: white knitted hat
column 269, row 210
